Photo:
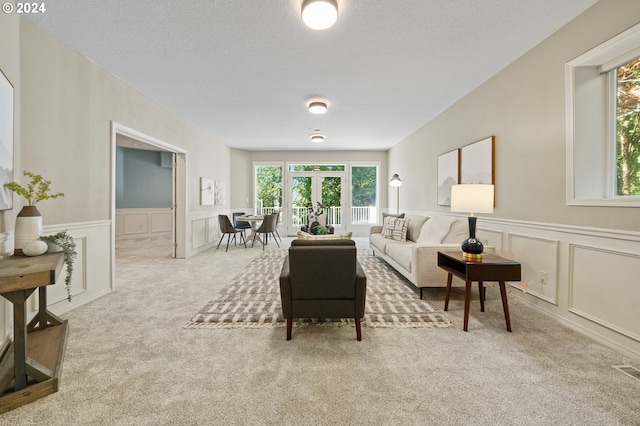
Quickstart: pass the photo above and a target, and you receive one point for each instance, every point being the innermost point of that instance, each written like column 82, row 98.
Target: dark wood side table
column 489, row 268
column 33, row 362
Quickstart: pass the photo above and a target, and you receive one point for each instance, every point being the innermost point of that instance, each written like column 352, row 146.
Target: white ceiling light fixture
column 317, row 138
column 318, row 106
column 319, row 14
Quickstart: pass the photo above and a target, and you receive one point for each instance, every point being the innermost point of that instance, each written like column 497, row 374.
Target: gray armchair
column 322, row 279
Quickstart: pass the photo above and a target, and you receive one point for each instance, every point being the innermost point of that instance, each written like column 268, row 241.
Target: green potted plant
column 29, row 222
column 64, row 242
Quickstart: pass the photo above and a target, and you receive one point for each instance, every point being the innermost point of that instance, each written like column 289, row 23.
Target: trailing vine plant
column 62, row 241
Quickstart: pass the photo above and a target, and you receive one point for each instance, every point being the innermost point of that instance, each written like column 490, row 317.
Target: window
column 364, row 194
column 603, row 119
column 268, row 187
column 628, row 129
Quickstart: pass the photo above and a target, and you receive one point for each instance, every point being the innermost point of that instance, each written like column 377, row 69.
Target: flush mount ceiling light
column 318, row 107
column 319, row 14
column 317, row 138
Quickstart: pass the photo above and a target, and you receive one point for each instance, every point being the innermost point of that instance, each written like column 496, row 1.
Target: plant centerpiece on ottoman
column 317, row 221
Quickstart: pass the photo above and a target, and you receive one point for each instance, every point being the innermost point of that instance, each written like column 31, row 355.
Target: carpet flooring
column 130, row 361
column 252, row 299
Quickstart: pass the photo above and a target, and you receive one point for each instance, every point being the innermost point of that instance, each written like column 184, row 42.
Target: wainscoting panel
column 161, row 222
column 213, row 230
column 493, row 238
column 204, row 230
column 599, row 288
column 137, row 223
column 537, row 256
column 58, row 292
column 199, row 233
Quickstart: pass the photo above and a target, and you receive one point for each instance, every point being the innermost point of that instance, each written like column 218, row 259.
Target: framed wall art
column 218, row 193
column 6, row 141
column 448, row 175
column 206, row 192
column 477, row 162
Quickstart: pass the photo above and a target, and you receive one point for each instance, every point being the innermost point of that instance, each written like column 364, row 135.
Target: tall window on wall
column 603, row 123
column 268, row 187
column 364, row 194
column 628, row 129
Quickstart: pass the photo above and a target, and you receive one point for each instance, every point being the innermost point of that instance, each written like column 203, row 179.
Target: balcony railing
column 300, row 215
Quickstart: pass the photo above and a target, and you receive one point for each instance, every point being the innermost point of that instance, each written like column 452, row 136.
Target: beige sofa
column 417, row 257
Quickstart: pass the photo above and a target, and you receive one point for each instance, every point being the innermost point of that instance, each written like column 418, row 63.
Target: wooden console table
column 32, row 364
column 489, row 268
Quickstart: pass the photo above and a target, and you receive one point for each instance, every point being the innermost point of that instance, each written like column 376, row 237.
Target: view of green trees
column 628, row 129
column 269, row 188
column 363, row 186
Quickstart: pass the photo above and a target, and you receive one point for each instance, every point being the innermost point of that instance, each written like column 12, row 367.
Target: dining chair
column 227, row 228
column 240, row 225
column 277, row 222
column 266, row 227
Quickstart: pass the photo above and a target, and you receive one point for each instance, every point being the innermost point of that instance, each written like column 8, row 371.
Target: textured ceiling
column 243, row 70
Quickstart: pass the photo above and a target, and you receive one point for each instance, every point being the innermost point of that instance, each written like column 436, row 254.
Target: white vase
column 35, row 248
column 28, row 228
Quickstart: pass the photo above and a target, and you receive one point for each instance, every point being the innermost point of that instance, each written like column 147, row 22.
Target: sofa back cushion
column 458, row 232
column 435, row 230
column 414, row 226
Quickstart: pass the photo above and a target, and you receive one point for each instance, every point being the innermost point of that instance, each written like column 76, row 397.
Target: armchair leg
column 358, row 329
column 289, row 327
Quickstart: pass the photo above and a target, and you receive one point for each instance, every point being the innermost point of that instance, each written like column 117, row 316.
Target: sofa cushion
column 435, row 229
column 381, row 243
column 414, row 226
column 401, row 253
column 458, row 232
column 394, row 228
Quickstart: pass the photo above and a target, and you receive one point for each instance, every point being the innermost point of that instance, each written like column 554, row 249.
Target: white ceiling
column 243, row 70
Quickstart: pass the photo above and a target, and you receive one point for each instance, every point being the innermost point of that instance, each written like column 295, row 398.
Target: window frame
column 590, row 86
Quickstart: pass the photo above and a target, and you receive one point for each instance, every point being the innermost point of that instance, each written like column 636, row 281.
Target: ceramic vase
column 28, row 228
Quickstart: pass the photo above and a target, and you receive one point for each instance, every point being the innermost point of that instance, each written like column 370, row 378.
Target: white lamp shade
column 395, row 180
column 319, row 14
column 472, row 198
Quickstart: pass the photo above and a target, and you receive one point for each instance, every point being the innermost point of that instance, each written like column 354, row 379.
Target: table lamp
column 472, row 199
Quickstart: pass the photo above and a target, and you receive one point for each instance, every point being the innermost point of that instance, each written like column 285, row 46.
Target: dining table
column 254, row 221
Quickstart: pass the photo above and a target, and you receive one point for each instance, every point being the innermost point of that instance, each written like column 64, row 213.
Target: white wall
column 590, row 253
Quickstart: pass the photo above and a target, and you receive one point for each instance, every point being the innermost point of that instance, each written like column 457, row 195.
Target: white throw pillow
column 395, row 228
column 435, row 229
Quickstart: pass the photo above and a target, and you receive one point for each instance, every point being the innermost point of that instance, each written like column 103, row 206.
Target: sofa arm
column 375, row 229
column 285, row 289
column 361, row 290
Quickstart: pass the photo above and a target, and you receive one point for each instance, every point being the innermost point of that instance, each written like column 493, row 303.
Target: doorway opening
column 171, row 219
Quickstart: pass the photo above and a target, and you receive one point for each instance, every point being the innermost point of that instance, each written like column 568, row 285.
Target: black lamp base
column 471, row 247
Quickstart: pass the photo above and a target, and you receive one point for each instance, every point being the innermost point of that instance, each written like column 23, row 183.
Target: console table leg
column 482, row 295
column 467, row 302
column 505, row 306
column 448, row 292
column 19, row 340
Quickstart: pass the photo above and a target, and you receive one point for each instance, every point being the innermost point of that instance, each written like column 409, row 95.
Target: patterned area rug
column 252, row 299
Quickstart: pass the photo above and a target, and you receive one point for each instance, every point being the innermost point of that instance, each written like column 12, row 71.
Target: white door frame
column 316, row 192
column 180, row 189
